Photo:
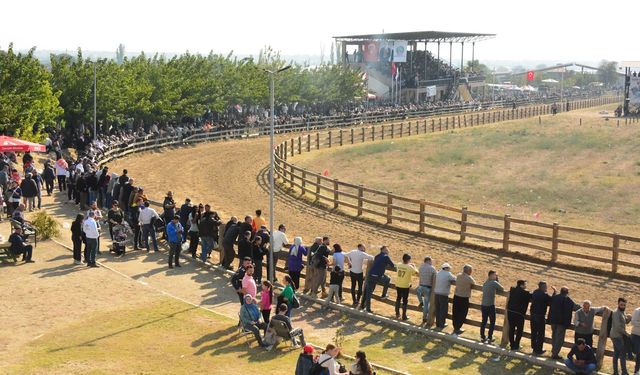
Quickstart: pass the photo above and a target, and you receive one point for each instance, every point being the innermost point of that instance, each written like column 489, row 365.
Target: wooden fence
column 547, row 241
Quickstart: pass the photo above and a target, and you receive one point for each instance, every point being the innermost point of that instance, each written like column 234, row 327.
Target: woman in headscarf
column 294, row 261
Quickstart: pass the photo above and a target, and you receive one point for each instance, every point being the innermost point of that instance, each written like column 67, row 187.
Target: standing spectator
column 49, row 176
column 288, row 294
column 257, row 255
column 321, row 260
column 249, row 285
column 560, row 313
column 519, row 299
column 357, row 259
column 540, row 301
column 617, row 334
column 258, row 221
column 4, row 176
column 244, row 245
column 77, row 238
column 311, row 270
column 246, row 225
column 231, row 232
column 635, row 338
column 581, row 358
column 361, row 366
column 335, row 281
column 174, row 237
column 97, row 216
column 114, row 217
column 61, row 173
column 281, row 241
column 375, row 273
column 29, row 191
column 194, row 231
column 294, row 262
column 427, row 275
column 327, row 360
column 15, row 196
column 169, row 211
column 207, row 230
column 19, row 245
column 238, row 276
column 403, row 283
column 103, row 185
column 111, row 187
column 38, row 180
column 184, row 212
column 305, row 361
column 584, row 322
column 444, row 279
column 266, row 299
column 461, row 295
column 90, row 229
column 338, row 259
column 147, row 216
column 488, row 305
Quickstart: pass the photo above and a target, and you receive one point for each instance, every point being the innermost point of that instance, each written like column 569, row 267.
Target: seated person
column 19, row 245
column 581, row 358
column 18, row 215
column 293, row 333
column 250, row 319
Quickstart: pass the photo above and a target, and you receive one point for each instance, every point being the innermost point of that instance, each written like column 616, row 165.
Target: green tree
column 28, row 102
column 608, row 73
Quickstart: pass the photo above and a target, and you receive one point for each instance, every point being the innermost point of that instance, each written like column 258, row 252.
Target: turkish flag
column 530, row 75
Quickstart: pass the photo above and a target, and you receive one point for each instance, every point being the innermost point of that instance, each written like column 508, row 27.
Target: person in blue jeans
column 581, row 358
column 375, row 275
column 427, row 274
column 146, row 217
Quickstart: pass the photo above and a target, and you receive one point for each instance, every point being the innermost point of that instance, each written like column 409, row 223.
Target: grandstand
column 398, row 70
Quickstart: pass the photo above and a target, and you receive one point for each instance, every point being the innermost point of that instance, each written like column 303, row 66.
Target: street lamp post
column 95, row 88
column 272, row 271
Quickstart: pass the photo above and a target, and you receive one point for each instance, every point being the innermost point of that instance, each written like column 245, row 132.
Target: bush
column 46, row 225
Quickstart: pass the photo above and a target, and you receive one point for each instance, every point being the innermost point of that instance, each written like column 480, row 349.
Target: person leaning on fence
column 519, row 299
column 581, row 358
column 294, row 261
column 461, row 296
column 281, row 241
column 335, row 281
column 174, row 237
column 250, row 319
column 339, row 259
column 405, row 271
column 488, row 305
column 444, row 279
column 375, row 273
column 311, row 269
column 560, row 313
column 635, row 338
column 356, row 259
column 584, row 322
column 540, row 301
column 321, row 260
column 618, row 335
column 427, row 275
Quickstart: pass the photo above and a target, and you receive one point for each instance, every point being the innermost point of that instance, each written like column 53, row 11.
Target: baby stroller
column 121, row 234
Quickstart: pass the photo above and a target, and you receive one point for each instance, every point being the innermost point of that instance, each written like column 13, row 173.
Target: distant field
column 586, row 175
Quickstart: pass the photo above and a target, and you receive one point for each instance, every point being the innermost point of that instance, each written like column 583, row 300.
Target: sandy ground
column 232, row 177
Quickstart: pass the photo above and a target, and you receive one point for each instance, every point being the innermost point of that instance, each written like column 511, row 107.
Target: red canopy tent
column 17, row 145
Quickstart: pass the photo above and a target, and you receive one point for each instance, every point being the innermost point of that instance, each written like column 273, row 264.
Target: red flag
column 530, row 75
column 394, row 70
column 325, row 173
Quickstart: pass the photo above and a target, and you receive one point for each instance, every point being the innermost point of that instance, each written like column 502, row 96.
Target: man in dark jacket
column 560, row 313
column 184, row 212
column 540, row 301
column 519, row 299
column 305, row 361
column 103, row 183
column 244, row 245
column 231, row 232
column 92, row 184
column 125, row 192
column 29, row 191
column 169, row 207
column 49, row 176
column 246, row 225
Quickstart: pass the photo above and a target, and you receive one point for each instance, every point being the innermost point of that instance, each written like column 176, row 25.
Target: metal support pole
column 95, row 88
column 271, row 182
column 462, row 59
column 473, row 54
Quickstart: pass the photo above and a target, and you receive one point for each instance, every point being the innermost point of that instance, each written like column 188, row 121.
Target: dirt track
column 232, row 177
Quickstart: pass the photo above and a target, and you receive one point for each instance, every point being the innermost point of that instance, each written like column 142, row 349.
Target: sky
column 560, row 30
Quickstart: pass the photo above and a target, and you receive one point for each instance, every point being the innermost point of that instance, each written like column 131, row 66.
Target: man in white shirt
column 90, row 229
column 146, row 217
column 280, row 240
column 357, row 258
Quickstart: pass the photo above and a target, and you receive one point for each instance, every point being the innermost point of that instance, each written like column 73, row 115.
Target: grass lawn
column 581, row 175
column 172, row 337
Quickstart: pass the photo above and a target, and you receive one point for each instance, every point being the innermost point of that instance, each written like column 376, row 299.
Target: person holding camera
column 328, row 360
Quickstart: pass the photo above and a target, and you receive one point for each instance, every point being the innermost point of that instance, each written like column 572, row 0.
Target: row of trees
column 155, row 88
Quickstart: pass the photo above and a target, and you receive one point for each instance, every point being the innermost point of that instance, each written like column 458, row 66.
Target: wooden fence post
column 432, row 303
column 383, row 132
column 464, row 118
column 362, row 134
column 463, row 224
column 285, row 150
column 422, row 209
column 614, row 255
column 477, row 119
column 360, row 195
column 293, row 147
column 505, row 235
column 447, row 123
column 317, row 140
column 402, row 128
column 393, row 130
column 308, row 142
column 318, row 187
column 440, row 124
column 340, row 130
column 351, row 135
column 483, row 118
column 602, row 337
column 409, row 128
column 330, row 138
column 504, row 341
column 389, row 210
column 292, row 175
column 373, row 133
column 335, row 193
column 433, row 126
column 459, row 122
column 304, row 181
column 299, row 145
column 554, row 242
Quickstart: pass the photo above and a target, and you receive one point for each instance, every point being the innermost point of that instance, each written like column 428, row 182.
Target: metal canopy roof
column 421, row 36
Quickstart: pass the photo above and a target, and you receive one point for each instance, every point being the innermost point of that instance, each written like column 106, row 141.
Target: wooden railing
column 546, row 241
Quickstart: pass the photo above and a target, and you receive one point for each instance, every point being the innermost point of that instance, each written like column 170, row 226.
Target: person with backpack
column 327, row 360
column 236, row 279
column 305, row 361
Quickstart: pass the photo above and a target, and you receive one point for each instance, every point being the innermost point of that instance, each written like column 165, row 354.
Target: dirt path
column 232, row 177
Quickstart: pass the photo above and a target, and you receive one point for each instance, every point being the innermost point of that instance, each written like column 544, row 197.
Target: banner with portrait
column 400, row 51
column 634, row 91
column 371, row 51
column 431, row 91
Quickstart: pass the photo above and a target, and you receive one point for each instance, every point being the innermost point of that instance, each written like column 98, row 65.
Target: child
column 266, row 295
column 335, row 281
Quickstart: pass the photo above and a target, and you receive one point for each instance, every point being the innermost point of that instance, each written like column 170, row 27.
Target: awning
column 8, row 144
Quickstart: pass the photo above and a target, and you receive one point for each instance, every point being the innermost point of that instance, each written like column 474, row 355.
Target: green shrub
column 46, row 225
